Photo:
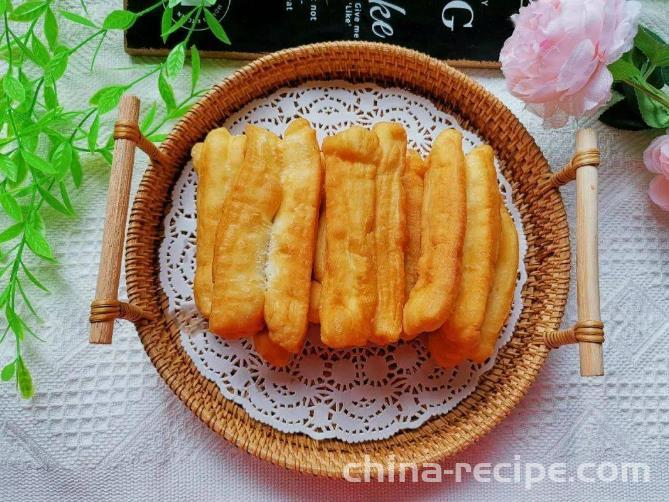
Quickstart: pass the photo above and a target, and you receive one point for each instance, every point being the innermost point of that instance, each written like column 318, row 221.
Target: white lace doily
column 354, row 395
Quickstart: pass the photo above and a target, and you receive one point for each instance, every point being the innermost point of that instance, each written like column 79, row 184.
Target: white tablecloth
column 104, row 426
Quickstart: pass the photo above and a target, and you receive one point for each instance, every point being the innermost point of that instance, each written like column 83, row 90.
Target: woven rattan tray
column 535, row 194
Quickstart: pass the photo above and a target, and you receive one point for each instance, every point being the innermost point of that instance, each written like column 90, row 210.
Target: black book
column 470, row 32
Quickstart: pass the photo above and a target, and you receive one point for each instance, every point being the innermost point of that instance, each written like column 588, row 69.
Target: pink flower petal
column 658, row 191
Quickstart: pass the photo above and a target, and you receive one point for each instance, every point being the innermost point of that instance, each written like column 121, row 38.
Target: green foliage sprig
column 641, row 76
column 42, row 142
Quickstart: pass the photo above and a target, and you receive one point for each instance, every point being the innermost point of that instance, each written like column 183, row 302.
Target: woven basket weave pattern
column 544, row 221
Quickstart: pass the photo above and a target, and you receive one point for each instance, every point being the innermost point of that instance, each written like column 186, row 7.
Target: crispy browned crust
column 242, row 239
column 217, row 162
column 503, row 287
column 390, row 232
column 292, row 240
column 443, row 217
column 461, row 333
column 412, row 181
column 348, row 295
column 270, row 351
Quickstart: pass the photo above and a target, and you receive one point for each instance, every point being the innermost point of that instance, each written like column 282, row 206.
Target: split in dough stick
column 216, row 162
column 461, row 333
column 319, row 253
column 390, row 232
column 292, row 240
column 503, row 287
column 242, row 239
column 314, row 302
column 270, row 351
column 412, row 180
column 443, row 217
column 348, row 295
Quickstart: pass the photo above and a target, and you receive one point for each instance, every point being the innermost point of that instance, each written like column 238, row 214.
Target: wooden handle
column 587, row 255
column 113, row 237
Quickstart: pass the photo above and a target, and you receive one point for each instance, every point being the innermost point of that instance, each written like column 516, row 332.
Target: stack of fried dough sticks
column 363, row 237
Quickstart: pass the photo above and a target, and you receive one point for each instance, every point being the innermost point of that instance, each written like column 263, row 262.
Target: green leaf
column 12, row 232
column 76, row 18
column 655, row 114
column 28, row 11
column 62, row 157
column 652, row 45
column 148, row 117
column 624, row 70
column 58, row 63
column 179, row 23
column 75, row 169
column 52, row 201
column 107, row 98
column 13, row 88
column 14, row 322
column 50, row 28
column 37, row 162
column 9, row 168
column 173, row 3
column 3, row 6
column 8, row 372
column 50, row 97
column 166, row 23
column 66, row 198
column 175, row 60
column 166, row 92
column 40, row 52
column 194, row 68
column 33, row 279
column 10, row 206
column 93, row 132
column 216, row 27
column 24, row 380
column 37, row 242
column 119, row 20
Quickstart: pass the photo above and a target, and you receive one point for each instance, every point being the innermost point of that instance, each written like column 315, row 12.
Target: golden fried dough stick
column 270, row 351
column 293, row 236
column 443, row 217
column 503, row 287
column 217, row 163
column 390, row 232
column 412, row 181
column 314, row 302
column 319, row 253
column 242, row 239
column 348, row 294
column 462, row 331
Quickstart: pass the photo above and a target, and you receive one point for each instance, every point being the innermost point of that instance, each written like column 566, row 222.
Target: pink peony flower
column 656, row 156
column 656, row 159
column 556, row 59
column 658, row 191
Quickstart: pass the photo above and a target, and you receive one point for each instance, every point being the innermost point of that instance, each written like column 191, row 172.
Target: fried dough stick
column 390, row 233
column 443, row 216
column 242, row 239
column 319, row 271
column 348, row 295
column 270, row 351
column 412, row 181
column 461, row 333
column 216, row 162
column 292, row 240
column 503, row 287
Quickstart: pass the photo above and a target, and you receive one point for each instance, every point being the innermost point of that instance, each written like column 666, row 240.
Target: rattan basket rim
column 547, row 260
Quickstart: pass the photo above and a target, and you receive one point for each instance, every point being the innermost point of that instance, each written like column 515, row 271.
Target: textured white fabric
column 374, row 392
column 103, row 425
